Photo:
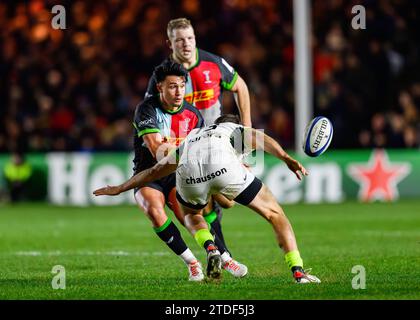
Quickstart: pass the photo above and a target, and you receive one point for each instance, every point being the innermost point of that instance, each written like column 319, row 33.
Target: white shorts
column 195, row 183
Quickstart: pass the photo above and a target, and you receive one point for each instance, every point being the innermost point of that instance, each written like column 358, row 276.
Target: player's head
column 171, row 77
column 181, row 39
column 228, row 118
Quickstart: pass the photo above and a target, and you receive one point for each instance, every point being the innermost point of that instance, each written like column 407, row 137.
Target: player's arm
column 151, row 88
column 161, row 169
column 241, row 95
column 157, row 145
column 261, row 141
column 233, row 82
column 145, row 123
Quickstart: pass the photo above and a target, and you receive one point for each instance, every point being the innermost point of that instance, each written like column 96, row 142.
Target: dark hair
column 228, row 118
column 169, row 68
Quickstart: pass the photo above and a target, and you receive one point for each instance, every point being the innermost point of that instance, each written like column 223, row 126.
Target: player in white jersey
column 208, row 163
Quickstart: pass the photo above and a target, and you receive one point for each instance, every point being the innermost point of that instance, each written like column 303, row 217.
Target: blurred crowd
column 76, row 89
column 368, row 81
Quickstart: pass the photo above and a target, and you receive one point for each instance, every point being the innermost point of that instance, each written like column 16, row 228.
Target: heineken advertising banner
column 367, row 175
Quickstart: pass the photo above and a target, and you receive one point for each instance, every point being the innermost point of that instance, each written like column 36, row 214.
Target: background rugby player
column 161, row 122
column 208, row 76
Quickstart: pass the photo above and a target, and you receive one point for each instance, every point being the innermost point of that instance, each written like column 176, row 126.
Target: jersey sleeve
column 200, row 122
column 145, row 120
column 151, row 88
column 229, row 74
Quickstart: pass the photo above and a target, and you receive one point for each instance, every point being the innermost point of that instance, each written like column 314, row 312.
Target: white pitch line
column 88, row 253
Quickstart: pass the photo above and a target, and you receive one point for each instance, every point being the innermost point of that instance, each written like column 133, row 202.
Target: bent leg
column 214, row 220
column 175, row 206
column 152, row 202
column 266, row 205
column 224, row 202
column 194, row 220
column 198, row 227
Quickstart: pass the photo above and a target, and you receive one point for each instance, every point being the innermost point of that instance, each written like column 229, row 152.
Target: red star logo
column 379, row 178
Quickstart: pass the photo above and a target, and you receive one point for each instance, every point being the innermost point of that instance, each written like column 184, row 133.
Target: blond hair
column 180, row 23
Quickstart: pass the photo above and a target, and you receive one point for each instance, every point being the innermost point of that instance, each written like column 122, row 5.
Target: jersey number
column 212, row 127
column 207, row 129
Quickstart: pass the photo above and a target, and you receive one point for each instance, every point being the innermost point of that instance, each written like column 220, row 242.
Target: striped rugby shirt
column 151, row 117
column 207, row 80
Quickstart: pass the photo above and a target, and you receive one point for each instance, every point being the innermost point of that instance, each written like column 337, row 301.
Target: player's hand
column 107, row 191
column 296, row 167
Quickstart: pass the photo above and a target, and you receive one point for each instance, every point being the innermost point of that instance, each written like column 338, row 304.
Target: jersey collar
column 181, row 107
column 197, row 59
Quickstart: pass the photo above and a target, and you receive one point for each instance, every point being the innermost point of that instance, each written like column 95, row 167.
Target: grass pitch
column 113, row 253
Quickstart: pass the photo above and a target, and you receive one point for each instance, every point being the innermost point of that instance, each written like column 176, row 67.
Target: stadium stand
column 76, row 89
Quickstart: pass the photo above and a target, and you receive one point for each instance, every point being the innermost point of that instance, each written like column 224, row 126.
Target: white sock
column 225, row 257
column 188, row 256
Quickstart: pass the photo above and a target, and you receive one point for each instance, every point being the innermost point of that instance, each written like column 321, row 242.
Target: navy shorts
column 164, row 185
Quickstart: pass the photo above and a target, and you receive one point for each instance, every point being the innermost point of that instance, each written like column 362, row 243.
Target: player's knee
column 156, row 214
column 226, row 204
column 271, row 214
column 196, row 220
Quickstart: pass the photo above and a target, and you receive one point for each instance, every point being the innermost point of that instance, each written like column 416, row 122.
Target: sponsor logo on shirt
column 209, row 177
column 145, row 122
column 203, row 95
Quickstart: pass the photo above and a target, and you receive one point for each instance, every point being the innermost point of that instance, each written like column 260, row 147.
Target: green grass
column 113, row 253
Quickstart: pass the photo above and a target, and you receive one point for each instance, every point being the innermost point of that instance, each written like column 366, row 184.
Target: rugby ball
column 317, row 136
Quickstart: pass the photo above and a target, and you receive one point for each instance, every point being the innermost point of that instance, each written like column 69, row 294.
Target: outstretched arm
column 264, row 142
column 241, row 95
column 161, row 169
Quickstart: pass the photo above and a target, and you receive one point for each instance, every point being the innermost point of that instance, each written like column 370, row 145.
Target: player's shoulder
column 231, row 126
column 218, row 60
column 208, row 56
column 148, row 105
column 188, row 106
column 166, row 60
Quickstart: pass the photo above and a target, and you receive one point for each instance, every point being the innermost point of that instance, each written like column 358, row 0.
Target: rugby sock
column 293, row 259
column 170, row 234
column 188, row 256
column 216, row 228
column 210, row 217
column 220, row 245
column 205, row 239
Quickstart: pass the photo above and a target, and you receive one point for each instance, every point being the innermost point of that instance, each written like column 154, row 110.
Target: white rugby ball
column 317, row 137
